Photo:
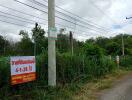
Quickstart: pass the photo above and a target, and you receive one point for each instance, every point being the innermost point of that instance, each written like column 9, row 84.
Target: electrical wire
column 33, row 20
column 73, row 18
column 102, row 11
column 21, row 17
column 16, row 19
column 114, row 21
column 55, row 16
column 33, row 23
column 14, row 23
column 75, row 15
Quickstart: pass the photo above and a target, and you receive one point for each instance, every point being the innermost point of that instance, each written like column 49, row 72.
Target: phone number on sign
column 24, row 69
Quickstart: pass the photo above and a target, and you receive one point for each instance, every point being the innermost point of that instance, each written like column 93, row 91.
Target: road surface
column 121, row 91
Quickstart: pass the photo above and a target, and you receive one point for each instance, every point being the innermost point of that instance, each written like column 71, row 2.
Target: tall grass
column 74, row 68
column 4, row 71
column 70, row 70
column 126, row 62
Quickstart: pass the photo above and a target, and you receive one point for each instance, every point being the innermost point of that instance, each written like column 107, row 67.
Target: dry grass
column 92, row 90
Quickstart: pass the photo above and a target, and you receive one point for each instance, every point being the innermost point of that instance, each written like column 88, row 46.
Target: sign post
column 117, row 61
column 22, row 69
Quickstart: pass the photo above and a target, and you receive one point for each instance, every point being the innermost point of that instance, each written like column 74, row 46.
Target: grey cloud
column 116, row 9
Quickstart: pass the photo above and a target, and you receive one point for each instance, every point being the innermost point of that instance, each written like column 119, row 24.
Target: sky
column 87, row 18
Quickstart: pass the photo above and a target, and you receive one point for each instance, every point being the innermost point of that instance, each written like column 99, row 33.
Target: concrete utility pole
column 71, row 42
column 123, row 53
column 123, row 47
column 35, row 44
column 51, row 45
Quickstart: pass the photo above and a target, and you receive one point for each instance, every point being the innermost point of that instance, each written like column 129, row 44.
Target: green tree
column 113, row 48
column 2, row 42
column 38, row 36
column 25, row 46
column 4, row 46
column 63, row 43
column 93, row 50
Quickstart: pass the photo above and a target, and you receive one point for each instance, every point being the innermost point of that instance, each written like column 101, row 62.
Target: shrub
column 72, row 68
column 69, row 69
column 126, row 62
column 93, row 50
column 4, row 71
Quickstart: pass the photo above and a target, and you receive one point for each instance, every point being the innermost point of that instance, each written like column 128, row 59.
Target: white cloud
column 112, row 15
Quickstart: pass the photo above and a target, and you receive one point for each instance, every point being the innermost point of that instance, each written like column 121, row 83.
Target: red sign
column 22, row 69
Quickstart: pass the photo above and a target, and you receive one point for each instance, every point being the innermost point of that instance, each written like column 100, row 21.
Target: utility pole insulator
column 36, row 25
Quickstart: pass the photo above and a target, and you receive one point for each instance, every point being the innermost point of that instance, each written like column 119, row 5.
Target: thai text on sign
column 22, row 69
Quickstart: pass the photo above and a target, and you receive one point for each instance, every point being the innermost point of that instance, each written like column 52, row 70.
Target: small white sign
column 117, row 58
column 52, row 32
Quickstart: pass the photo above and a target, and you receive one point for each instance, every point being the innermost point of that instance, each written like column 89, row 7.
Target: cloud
column 104, row 14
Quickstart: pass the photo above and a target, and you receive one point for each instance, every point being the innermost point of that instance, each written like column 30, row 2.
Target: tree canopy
column 93, row 47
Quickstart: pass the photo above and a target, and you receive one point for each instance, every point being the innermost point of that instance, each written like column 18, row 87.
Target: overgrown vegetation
column 126, row 62
column 90, row 60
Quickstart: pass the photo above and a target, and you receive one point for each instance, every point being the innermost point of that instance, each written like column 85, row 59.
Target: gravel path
column 121, row 91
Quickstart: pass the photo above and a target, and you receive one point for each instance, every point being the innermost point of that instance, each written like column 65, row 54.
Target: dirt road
column 122, row 90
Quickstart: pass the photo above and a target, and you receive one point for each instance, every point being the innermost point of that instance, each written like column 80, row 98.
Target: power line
column 27, row 14
column 14, row 23
column 41, row 10
column 26, row 26
column 73, row 18
column 91, row 1
column 31, row 15
column 84, row 18
column 30, row 22
column 78, row 16
column 20, row 17
column 39, row 17
column 43, row 5
column 56, row 16
column 102, row 11
column 23, row 12
column 35, row 21
column 82, row 31
column 16, row 19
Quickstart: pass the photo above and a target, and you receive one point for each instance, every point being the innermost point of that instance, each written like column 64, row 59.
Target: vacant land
column 101, row 89
column 121, row 91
